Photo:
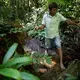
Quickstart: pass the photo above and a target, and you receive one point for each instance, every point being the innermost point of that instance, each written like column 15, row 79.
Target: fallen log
column 56, row 73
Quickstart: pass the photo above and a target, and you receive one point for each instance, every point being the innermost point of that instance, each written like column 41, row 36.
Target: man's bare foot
column 42, row 70
column 62, row 67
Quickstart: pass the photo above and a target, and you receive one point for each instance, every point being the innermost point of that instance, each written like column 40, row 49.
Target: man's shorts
column 51, row 43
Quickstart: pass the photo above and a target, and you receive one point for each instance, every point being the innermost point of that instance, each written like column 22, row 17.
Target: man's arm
column 71, row 22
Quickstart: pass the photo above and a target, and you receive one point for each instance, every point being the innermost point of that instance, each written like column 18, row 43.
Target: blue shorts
column 51, row 43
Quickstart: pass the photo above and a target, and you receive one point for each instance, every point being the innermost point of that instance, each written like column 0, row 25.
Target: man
column 50, row 22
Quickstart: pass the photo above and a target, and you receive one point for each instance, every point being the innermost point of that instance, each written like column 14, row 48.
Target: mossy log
column 57, row 74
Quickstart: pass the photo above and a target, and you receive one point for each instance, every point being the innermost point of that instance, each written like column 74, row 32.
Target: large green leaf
column 10, row 52
column 28, row 76
column 9, row 72
column 26, row 60
column 71, row 78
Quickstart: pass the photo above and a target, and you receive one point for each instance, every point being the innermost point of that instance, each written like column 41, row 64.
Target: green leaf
column 71, row 78
column 48, row 60
column 28, row 76
column 10, row 52
column 14, row 61
column 69, row 75
column 9, row 72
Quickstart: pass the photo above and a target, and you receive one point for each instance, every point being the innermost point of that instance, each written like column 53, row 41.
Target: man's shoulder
column 61, row 17
column 58, row 14
column 46, row 14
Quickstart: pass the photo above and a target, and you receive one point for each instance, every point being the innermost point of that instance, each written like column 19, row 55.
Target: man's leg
column 57, row 42
column 47, row 45
column 59, row 51
column 46, row 52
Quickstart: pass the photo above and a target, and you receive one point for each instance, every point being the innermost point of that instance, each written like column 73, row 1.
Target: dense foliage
column 11, row 66
column 17, row 21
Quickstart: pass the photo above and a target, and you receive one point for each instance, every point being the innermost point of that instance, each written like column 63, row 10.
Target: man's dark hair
column 53, row 5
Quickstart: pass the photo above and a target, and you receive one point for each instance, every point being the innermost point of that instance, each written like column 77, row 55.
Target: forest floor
column 53, row 73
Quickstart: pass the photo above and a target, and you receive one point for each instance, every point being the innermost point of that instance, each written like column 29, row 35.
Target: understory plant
column 10, row 68
column 70, row 77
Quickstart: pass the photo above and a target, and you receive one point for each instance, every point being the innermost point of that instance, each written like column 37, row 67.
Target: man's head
column 53, row 8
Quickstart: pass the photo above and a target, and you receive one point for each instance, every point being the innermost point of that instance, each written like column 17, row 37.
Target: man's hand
column 40, row 28
column 36, row 27
column 78, row 24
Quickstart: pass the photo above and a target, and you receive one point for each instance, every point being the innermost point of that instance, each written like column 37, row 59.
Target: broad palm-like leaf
column 28, row 76
column 20, row 60
column 9, row 72
column 10, row 52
